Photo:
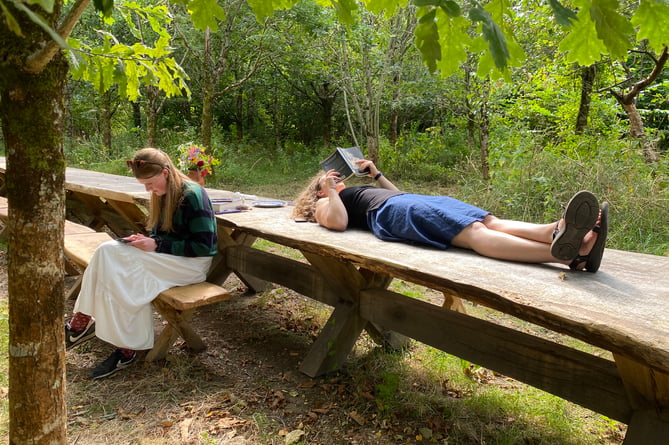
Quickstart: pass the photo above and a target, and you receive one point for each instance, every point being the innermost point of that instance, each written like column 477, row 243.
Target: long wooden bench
column 175, row 305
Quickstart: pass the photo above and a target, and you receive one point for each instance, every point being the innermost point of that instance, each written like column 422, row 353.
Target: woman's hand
column 142, row 242
column 366, row 164
column 332, row 177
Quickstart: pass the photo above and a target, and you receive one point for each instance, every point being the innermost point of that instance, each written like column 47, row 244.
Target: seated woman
column 577, row 240
column 124, row 277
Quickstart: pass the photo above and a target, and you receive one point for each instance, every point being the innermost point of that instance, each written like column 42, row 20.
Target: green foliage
column 652, row 17
column 129, row 65
column 424, row 156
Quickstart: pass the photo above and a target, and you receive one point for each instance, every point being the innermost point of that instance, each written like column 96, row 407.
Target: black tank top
column 361, row 199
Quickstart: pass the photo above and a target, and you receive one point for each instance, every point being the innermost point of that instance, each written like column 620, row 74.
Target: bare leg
column 503, row 245
column 536, row 232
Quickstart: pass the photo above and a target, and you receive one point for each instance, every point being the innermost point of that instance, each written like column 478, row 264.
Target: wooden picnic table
column 623, row 308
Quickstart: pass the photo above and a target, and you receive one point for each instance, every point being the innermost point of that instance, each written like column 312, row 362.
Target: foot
column 590, row 255
column 578, row 263
column 114, row 363
column 74, row 338
column 578, row 219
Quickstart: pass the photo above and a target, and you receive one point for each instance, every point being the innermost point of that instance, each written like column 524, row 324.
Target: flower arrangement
column 194, row 157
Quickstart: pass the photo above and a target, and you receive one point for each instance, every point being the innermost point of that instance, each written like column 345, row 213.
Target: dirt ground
column 246, row 388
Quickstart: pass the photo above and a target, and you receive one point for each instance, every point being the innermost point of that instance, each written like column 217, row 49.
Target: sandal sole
column 580, row 216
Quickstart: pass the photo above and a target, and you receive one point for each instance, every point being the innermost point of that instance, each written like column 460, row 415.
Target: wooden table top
column 110, row 186
column 624, row 307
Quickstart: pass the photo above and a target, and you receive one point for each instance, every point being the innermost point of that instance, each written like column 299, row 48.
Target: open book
column 343, row 160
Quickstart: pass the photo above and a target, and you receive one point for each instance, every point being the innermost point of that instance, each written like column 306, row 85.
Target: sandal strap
column 578, row 260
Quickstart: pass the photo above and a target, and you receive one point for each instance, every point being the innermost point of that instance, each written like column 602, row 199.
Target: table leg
column 648, row 392
column 219, row 272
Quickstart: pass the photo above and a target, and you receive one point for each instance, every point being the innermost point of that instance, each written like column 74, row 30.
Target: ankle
column 127, row 353
column 79, row 321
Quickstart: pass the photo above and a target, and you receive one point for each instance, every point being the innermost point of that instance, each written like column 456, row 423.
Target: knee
column 468, row 237
column 490, row 221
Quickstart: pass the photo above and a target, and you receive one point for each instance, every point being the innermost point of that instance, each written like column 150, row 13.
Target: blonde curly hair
column 305, row 204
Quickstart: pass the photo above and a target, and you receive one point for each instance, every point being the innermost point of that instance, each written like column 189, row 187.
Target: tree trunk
column 628, row 101
column 105, row 121
column 588, row 74
column 239, row 115
column 393, row 131
column 484, row 128
column 136, row 114
column 207, row 93
column 638, row 132
column 151, row 116
column 31, row 112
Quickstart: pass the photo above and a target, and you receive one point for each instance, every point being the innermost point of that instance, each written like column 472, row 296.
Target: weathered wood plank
column 286, row 272
column 585, row 379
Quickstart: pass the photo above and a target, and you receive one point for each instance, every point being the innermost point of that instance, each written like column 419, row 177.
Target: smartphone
column 300, row 220
column 122, row 240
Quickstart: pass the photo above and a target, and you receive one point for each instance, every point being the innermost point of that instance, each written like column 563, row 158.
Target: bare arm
column 330, row 210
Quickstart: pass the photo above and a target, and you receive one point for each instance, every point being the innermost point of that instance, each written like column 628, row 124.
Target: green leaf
column 652, row 17
column 563, row 16
column 345, row 10
column 11, row 22
column 582, row 44
column 614, row 29
column 427, row 40
column 47, row 5
column 493, row 35
column 104, row 6
column 451, row 8
column 204, row 14
column 265, row 8
column 420, row 3
column 389, row 6
column 454, row 42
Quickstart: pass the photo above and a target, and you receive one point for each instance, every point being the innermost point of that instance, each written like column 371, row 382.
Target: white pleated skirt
column 121, row 281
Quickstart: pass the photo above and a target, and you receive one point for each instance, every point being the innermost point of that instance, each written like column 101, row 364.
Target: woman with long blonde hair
column 125, row 275
column 576, row 240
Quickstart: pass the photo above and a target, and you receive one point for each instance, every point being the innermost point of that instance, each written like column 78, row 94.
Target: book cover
column 343, row 161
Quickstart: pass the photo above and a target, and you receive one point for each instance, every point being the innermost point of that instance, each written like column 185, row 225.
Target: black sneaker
column 115, row 362
column 73, row 338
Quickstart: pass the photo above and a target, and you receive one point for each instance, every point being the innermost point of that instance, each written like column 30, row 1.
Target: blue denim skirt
column 423, row 219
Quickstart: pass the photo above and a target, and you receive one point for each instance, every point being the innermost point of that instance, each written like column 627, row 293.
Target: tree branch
column 659, row 66
column 37, row 61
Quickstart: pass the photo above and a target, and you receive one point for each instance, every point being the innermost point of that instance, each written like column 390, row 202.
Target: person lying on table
column 577, row 239
column 124, row 277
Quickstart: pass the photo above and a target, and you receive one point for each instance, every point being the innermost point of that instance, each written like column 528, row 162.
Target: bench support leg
column 177, row 326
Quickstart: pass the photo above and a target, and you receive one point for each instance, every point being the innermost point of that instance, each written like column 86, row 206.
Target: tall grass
column 531, row 179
